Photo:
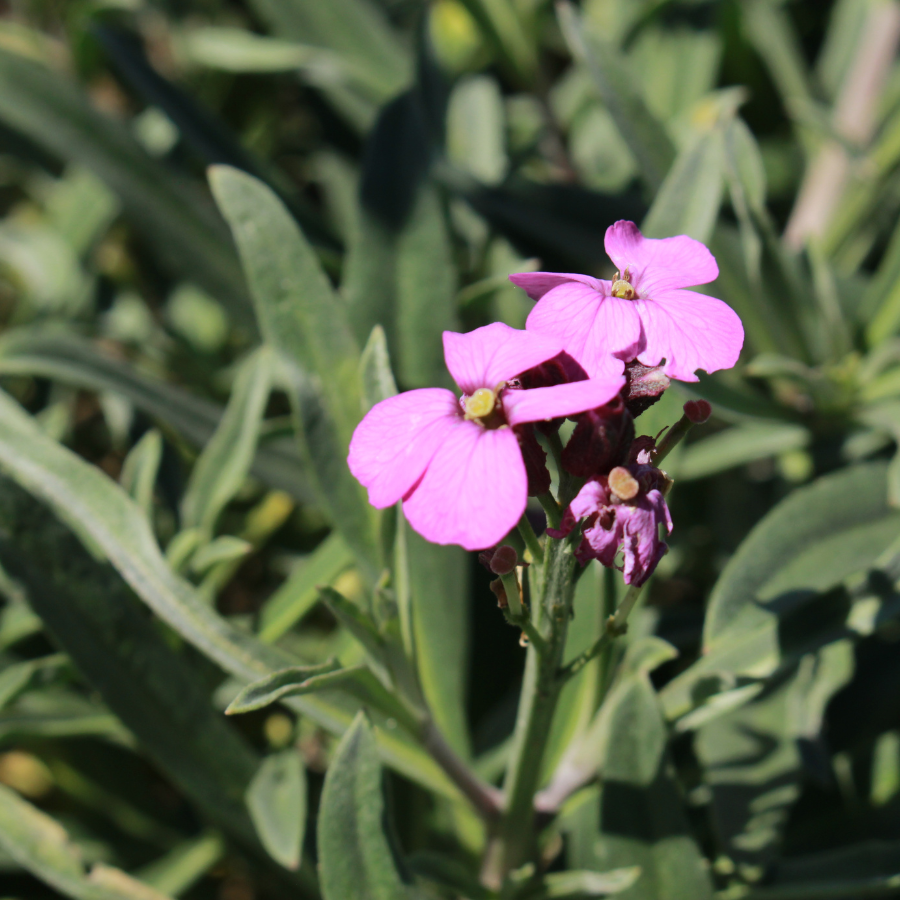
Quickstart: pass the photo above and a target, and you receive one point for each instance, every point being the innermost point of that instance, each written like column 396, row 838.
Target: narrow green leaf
column 571, row 885
column 439, row 594
column 356, row 29
column 610, row 72
column 224, row 549
column 17, row 678
column 375, row 370
column 737, row 446
column 300, row 593
column 688, row 200
column 355, row 856
column 66, row 358
column 155, row 692
column 225, row 462
column 140, row 469
column 180, row 868
column 502, row 22
column 170, row 212
column 96, row 507
column 426, row 294
column 40, row 845
column 272, row 688
column 476, row 129
column 276, row 799
column 304, row 321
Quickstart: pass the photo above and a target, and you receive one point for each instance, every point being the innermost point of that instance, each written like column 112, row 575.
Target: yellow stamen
column 622, row 287
column 480, row 404
column 623, row 484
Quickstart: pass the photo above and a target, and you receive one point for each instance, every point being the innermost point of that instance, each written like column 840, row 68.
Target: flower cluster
column 596, row 351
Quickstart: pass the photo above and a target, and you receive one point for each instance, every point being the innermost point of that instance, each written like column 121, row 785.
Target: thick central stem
column 515, row 842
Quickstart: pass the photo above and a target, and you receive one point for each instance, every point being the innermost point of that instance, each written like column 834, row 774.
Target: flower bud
column 600, row 440
column 504, row 560
column 697, row 411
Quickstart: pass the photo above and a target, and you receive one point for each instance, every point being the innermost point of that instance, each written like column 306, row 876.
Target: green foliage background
column 185, row 351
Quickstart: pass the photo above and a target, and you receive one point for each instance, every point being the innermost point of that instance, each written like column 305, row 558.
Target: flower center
column 480, row 404
column 622, row 286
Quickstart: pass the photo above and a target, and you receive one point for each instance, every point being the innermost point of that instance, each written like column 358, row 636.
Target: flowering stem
column 671, row 439
column 513, row 597
column 531, row 540
column 616, row 625
column 514, row 842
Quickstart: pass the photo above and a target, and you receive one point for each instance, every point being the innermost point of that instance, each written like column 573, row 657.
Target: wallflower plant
column 460, row 465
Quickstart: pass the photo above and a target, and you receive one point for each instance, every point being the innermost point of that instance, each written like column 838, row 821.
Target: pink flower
column 644, row 314
column 456, row 463
column 622, row 511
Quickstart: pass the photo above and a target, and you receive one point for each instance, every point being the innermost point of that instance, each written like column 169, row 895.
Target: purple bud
column 504, row 560
column 600, row 440
column 697, row 411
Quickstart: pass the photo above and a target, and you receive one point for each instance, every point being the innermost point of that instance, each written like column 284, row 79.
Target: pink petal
column 589, row 500
column 536, row 284
column 690, row 331
column 659, row 265
column 396, row 440
column 592, row 327
column 544, row 403
column 493, row 354
column 474, row 490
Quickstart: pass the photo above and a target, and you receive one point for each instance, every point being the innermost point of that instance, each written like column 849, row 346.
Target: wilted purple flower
column 621, row 511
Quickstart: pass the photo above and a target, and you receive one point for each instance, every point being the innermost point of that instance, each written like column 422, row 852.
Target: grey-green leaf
column 355, row 855
column 279, row 684
column 305, row 322
column 276, row 800
column 225, row 462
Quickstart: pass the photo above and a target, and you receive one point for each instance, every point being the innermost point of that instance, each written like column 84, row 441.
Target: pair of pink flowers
column 457, row 463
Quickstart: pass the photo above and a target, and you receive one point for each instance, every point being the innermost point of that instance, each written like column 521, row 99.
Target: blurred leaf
column 739, row 445
column 502, row 22
column 688, row 200
column 80, row 207
column 170, row 212
column 72, row 360
column 355, row 856
column 103, row 628
column 177, row 871
column 60, row 714
column 223, row 549
column 375, row 370
column 641, row 818
column 97, row 509
column 439, row 600
column 276, row 799
column 17, row 678
column 476, row 129
column 41, row 846
column 356, row 29
column 588, row 884
column 426, row 294
column 140, row 469
column 224, row 464
column 305, row 323
column 645, row 136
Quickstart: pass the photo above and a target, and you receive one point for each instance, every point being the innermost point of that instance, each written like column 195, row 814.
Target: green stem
column 532, row 543
column 671, row 439
column 515, row 840
column 511, row 589
column 616, row 626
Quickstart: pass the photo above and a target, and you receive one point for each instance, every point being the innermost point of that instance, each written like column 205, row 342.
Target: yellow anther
column 480, row 404
column 623, row 484
column 622, row 286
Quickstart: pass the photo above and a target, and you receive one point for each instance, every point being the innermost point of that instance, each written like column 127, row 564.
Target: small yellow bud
column 480, row 404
